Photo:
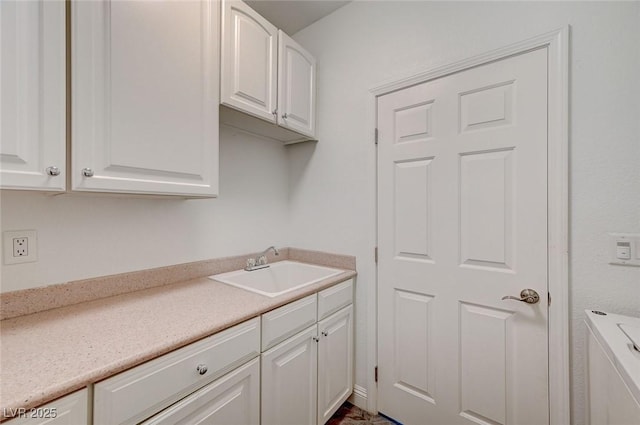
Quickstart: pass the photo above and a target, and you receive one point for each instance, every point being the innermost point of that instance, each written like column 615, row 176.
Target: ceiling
column 293, row 15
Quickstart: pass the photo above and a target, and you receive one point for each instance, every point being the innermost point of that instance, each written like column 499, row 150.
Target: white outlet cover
column 7, row 246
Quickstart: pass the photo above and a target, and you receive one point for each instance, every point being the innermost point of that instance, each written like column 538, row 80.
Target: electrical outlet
column 20, row 246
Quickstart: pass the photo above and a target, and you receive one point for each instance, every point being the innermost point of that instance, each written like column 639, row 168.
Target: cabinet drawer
column 232, row 399
column 333, row 299
column 281, row 323
column 138, row 393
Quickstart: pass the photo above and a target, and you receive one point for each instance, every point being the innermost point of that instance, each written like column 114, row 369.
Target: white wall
column 86, row 235
column 366, row 43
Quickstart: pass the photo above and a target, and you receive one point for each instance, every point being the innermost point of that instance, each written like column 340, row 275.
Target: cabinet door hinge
column 549, row 299
column 375, row 254
column 376, row 136
column 375, row 373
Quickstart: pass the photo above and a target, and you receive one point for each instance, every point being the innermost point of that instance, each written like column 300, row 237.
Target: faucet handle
column 262, row 260
column 251, row 262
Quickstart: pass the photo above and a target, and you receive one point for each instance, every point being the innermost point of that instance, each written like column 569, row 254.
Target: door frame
column 557, row 44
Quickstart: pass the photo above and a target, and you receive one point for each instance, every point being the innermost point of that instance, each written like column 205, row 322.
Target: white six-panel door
column 32, row 91
column 249, row 61
column 462, row 203
column 145, row 94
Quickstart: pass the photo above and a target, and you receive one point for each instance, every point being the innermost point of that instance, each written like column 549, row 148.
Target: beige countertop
column 48, row 354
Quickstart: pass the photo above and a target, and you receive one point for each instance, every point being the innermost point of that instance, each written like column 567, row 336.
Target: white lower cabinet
column 289, row 381
column 302, row 377
column 335, row 362
column 68, row 410
column 308, row 376
column 233, row 399
column 145, row 390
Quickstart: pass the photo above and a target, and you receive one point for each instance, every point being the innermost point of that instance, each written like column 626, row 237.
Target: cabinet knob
column 275, row 112
column 284, row 116
column 325, row 333
column 87, row 172
column 53, row 171
column 316, row 339
column 202, row 369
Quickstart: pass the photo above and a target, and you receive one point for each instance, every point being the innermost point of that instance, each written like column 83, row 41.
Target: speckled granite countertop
column 52, row 353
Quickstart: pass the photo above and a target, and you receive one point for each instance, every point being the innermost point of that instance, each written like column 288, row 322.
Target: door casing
column 557, row 44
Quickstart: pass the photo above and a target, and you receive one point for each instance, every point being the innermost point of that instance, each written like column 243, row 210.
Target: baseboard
column 359, row 397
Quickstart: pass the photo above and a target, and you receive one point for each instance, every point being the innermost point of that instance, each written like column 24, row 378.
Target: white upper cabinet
column 145, row 95
column 296, row 87
column 249, row 68
column 265, row 74
column 32, row 89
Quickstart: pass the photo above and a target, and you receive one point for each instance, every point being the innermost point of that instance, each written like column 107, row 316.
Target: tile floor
column 348, row 414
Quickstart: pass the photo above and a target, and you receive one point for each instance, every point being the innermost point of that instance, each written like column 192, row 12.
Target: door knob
column 528, row 296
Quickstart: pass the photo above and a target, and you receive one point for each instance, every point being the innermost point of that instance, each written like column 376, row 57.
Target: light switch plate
column 624, row 249
column 20, row 246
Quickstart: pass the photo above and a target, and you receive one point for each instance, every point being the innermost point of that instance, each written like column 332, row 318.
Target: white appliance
column 613, row 368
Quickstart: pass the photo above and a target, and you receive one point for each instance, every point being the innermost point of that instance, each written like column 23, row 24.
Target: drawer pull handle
column 53, row 171
column 202, row 369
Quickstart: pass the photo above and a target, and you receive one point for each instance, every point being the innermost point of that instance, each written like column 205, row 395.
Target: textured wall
column 366, row 43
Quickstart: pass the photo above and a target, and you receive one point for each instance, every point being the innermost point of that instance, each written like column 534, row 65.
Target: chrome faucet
column 260, row 261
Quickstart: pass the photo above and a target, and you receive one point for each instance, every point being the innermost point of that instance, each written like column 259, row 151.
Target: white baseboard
column 359, row 397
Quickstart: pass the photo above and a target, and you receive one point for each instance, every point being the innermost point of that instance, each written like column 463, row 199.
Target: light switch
column 623, row 250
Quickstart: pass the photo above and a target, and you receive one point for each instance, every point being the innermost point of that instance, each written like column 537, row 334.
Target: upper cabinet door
column 32, row 88
column 249, row 61
column 145, row 95
column 296, row 87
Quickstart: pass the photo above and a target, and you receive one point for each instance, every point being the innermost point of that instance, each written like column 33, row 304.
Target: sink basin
column 277, row 279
